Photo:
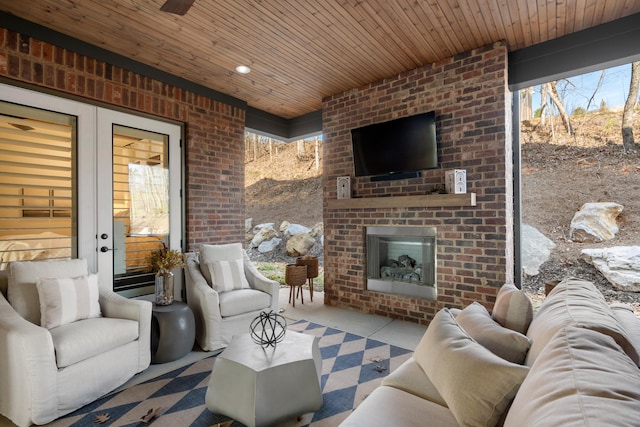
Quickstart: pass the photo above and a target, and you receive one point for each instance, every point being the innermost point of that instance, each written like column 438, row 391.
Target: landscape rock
column 269, row 245
column 269, row 225
column 595, row 222
column 536, row 249
column 284, row 226
column 300, row 244
column 295, row 229
column 248, row 224
column 317, row 230
column 264, row 234
column 619, row 264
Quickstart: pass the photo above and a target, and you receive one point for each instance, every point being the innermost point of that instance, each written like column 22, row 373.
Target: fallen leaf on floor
column 152, row 413
column 102, row 418
column 376, row 359
column 379, row 368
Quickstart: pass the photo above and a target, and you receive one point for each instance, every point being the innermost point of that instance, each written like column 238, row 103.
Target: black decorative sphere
column 268, row 329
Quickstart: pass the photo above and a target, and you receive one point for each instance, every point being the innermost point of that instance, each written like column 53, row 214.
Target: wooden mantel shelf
column 426, row 201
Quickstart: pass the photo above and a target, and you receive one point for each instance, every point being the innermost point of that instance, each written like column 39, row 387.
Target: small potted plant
column 163, row 261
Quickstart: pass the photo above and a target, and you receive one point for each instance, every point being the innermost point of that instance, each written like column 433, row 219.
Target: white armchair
column 47, row 373
column 226, row 292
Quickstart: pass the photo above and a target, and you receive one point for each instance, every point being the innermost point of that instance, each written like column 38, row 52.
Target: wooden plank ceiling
column 300, row 51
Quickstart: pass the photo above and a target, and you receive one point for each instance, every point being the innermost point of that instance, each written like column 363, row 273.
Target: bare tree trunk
column 316, row 153
column 628, row 142
column 602, row 74
column 300, row 147
column 255, row 147
column 270, row 150
column 544, row 107
column 553, row 93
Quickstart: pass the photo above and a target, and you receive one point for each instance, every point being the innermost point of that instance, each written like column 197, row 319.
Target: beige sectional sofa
column 574, row 363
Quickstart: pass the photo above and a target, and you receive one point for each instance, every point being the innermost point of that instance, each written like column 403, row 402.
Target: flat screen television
column 398, row 146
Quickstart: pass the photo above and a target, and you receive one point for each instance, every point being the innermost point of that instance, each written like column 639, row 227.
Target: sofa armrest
column 28, row 371
column 204, row 301
column 258, row 281
column 117, row 306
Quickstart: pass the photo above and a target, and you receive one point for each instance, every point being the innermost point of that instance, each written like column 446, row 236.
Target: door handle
column 106, row 249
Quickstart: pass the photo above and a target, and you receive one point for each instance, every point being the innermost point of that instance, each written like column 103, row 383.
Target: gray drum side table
column 264, row 387
column 173, row 332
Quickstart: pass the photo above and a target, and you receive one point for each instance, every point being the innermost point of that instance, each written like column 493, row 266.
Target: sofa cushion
column 22, row 292
column 243, row 301
column 388, row 406
column 581, row 378
column 513, row 308
column 411, row 378
column 227, row 275
column 476, row 384
column 575, row 302
column 503, row 342
column 75, row 342
column 223, row 252
column 66, row 300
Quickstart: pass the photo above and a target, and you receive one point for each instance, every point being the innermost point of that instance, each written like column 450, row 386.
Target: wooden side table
column 173, row 332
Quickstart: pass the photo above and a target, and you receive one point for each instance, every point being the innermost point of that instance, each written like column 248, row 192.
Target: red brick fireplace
column 474, row 233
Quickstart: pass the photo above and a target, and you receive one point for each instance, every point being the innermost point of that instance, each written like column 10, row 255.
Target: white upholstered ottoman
column 261, row 387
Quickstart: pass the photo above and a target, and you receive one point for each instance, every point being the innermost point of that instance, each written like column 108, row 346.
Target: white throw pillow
column 64, row 301
column 476, row 384
column 227, row 275
column 220, row 252
column 503, row 342
column 513, row 308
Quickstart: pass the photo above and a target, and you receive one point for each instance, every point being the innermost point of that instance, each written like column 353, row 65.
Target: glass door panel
column 38, row 209
column 140, row 203
column 139, row 207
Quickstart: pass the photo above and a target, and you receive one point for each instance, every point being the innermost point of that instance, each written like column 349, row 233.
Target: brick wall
column 214, row 131
column 475, row 244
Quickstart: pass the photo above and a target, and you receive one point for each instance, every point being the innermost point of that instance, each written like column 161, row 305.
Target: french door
column 138, row 196
column 84, row 181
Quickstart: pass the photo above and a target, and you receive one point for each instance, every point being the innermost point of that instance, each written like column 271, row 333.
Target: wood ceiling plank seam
column 398, row 19
column 368, row 41
column 422, row 30
column 437, row 32
column 379, row 36
column 339, row 40
column 534, row 17
column 457, row 24
column 516, row 18
column 589, row 13
column 448, row 29
column 493, row 11
column 552, row 24
column 505, row 17
column 359, row 67
column 525, row 14
column 542, row 20
column 426, row 25
column 561, row 17
column 474, row 17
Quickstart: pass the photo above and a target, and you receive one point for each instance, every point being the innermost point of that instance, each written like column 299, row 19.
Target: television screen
column 402, row 145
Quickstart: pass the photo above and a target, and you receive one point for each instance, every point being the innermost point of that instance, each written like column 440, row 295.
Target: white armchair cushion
column 223, row 252
column 243, row 301
column 227, row 275
column 21, row 290
column 66, row 300
column 81, row 340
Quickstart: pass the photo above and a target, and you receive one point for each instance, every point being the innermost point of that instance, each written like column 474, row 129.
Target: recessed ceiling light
column 243, row 69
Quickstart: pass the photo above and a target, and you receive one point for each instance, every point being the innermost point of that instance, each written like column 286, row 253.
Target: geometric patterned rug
column 352, row 367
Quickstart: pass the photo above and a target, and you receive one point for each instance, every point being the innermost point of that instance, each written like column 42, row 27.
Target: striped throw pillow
column 513, row 308
column 227, row 275
column 64, row 301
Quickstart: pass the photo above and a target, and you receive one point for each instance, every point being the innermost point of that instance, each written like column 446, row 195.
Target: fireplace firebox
column 402, row 260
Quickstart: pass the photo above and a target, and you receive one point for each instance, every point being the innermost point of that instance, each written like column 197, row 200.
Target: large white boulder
column 295, row 229
column 300, row 244
column 536, row 249
column 269, row 245
column 266, row 233
column 619, row 264
column 595, row 222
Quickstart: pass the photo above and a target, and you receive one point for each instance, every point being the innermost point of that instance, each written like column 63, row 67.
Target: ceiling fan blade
column 179, row 7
